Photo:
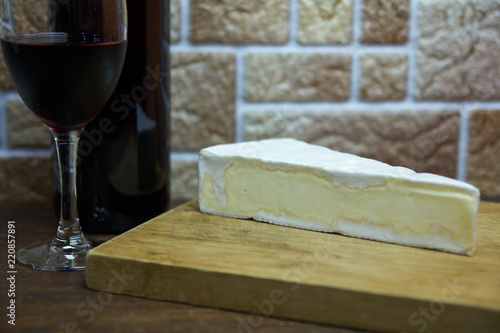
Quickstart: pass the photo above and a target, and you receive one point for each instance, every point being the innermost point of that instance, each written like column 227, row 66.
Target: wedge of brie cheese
column 293, row 183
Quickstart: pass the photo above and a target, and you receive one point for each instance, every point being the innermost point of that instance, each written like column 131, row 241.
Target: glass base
column 48, row 257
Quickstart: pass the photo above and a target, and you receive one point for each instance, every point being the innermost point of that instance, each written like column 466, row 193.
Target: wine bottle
column 123, row 160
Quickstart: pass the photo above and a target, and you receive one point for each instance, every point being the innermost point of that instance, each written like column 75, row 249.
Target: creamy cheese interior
column 439, row 214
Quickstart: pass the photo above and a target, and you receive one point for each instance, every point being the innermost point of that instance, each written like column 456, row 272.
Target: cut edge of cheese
column 292, row 183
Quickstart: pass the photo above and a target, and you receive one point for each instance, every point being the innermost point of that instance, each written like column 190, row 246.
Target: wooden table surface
column 60, row 301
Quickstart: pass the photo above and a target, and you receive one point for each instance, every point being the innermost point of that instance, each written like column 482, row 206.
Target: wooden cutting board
column 187, row 256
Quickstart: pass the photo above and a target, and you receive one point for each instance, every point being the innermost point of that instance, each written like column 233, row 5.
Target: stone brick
column 325, row 22
column 383, row 76
column 24, row 129
column 458, row 50
column 423, row 140
column 29, row 16
column 5, row 82
column 25, row 179
column 203, row 99
column 297, row 77
column 385, row 21
column 483, row 161
column 240, row 21
column 175, row 22
column 184, row 176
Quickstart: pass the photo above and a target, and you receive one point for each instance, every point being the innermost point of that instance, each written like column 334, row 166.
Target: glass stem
column 69, row 233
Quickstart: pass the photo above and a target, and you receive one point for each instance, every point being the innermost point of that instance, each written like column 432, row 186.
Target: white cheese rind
column 347, row 178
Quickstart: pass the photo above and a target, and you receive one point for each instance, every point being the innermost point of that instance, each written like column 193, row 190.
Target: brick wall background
column 413, row 83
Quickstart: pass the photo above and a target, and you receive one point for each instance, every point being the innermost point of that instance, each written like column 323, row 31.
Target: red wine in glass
column 64, row 81
column 65, row 76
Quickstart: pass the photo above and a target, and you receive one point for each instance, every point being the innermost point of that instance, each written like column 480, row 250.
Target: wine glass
column 64, row 58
